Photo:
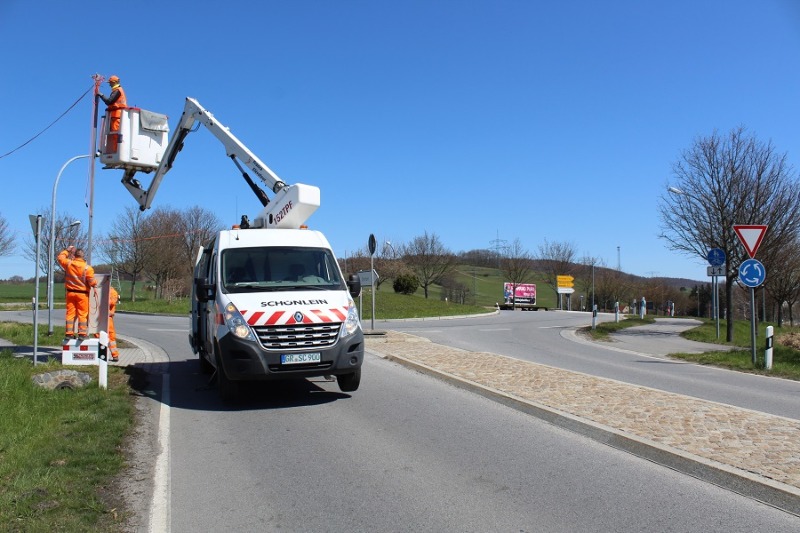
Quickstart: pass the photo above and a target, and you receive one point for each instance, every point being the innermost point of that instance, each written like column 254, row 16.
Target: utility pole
column 497, row 246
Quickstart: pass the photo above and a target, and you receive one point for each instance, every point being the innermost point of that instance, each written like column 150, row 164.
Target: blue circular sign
column 752, row 273
column 716, row 257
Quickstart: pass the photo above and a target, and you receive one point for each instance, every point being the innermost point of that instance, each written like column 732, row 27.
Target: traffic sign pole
column 753, row 322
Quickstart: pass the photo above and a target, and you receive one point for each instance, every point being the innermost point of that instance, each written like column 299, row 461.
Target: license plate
column 300, row 358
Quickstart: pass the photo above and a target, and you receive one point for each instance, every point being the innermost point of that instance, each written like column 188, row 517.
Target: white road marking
column 160, row 506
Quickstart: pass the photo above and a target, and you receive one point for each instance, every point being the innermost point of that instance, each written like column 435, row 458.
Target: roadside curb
column 765, row 490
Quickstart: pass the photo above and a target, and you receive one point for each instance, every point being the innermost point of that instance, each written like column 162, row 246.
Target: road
column 406, row 452
column 547, row 338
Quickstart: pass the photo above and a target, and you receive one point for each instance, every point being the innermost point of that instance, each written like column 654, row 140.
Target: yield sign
column 751, row 236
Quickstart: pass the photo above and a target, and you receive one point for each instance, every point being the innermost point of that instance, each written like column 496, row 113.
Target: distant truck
column 523, row 297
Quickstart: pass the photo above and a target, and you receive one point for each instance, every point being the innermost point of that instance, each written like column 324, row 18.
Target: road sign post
column 752, row 274
column 371, row 243
column 716, row 258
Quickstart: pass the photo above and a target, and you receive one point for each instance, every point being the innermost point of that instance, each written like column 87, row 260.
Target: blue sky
column 475, row 120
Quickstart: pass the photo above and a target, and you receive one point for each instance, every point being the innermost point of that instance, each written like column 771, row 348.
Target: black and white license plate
column 300, row 358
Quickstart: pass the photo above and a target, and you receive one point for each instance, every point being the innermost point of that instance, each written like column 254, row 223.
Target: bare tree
column 163, row 245
column 586, row 276
column 517, row 267
column 722, row 181
column 199, row 226
column 783, row 282
column 428, row 259
column 6, row 239
column 612, row 286
column 66, row 233
column 388, row 263
column 124, row 246
column 556, row 259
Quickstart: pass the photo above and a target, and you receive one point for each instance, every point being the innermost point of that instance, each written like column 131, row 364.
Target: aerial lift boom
column 290, row 207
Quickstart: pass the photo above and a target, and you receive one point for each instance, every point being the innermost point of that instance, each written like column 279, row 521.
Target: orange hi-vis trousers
column 77, row 307
column 112, row 337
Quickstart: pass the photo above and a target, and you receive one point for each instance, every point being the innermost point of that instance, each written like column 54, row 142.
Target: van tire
column 228, row 390
column 349, row 382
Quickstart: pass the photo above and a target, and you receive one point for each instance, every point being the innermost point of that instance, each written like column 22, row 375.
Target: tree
column 164, row 251
column 405, row 284
column 516, row 267
column 557, row 259
column 6, row 239
column 66, row 234
column 428, row 259
column 722, row 181
column 479, row 257
column 124, row 246
column 783, row 284
column 199, row 226
column 388, row 264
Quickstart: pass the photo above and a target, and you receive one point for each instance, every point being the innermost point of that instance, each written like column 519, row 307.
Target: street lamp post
column 714, row 282
column 51, row 250
column 389, row 244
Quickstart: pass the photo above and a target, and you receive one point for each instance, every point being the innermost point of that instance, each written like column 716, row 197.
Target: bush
column 406, row 284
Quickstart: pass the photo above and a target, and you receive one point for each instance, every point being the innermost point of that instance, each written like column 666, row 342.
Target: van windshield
column 279, row 268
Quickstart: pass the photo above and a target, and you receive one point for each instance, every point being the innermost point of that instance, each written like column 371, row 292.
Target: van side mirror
column 354, row 285
column 203, row 290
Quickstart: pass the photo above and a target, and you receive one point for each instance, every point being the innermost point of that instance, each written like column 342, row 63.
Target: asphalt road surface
column 406, row 452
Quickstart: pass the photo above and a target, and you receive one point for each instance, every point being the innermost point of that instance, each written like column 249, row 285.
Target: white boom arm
column 292, row 204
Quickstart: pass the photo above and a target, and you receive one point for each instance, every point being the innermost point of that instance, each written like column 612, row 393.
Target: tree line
column 157, row 248
column 719, row 181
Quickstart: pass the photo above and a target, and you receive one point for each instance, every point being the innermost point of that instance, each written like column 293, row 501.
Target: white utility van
column 272, row 304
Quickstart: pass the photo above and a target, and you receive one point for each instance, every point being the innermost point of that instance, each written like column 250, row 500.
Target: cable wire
column 50, row 125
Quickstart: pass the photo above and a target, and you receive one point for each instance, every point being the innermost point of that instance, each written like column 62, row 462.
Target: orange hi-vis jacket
column 78, row 275
column 113, row 296
column 121, row 102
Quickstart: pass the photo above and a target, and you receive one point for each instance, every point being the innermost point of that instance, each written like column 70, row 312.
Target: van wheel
column 349, row 382
column 228, row 390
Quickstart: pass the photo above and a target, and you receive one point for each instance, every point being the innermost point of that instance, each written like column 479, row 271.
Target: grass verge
column 60, row 450
column 785, row 356
column 785, row 353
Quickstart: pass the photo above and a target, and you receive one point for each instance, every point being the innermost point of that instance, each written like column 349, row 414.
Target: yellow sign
column 565, row 281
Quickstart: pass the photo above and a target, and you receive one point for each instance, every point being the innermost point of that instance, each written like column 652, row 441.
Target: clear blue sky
column 474, row 120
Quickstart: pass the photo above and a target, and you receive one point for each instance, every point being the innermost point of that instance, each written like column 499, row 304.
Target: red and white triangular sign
column 751, row 236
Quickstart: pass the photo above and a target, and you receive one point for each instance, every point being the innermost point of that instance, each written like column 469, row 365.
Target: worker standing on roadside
column 113, row 298
column 78, row 281
column 115, row 103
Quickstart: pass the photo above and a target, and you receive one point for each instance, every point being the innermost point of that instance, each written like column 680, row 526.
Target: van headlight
column 351, row 323
column 237, row 324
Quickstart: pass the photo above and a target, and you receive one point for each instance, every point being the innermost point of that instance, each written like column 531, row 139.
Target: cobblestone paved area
column 757, row 445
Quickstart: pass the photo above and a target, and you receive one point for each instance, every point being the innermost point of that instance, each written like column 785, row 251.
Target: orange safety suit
column 115, row 103
column 78, row 280
column 113, row 298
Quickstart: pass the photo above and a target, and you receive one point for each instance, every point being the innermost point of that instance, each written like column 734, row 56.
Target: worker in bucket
column 113, row 298
column 115, row 103
column 78, row 281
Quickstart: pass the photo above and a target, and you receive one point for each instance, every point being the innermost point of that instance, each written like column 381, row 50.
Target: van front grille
column 298, row 336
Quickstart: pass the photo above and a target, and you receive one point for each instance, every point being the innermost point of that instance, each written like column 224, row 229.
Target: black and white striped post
column 768, row 351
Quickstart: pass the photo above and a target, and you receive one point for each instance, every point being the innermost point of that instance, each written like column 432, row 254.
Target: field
column 484, row 288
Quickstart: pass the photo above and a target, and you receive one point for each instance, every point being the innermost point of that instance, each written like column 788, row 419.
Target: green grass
column 785, row 359
column 603, row 330
column 391, row 305
column 60, row 450
column 484, row 286
column 22, row 334
column 179, row 306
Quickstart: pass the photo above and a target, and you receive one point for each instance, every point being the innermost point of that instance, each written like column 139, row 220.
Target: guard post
column 768, row 351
